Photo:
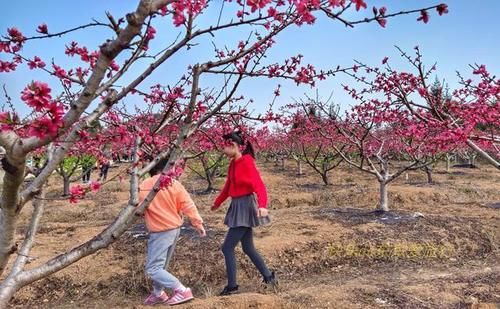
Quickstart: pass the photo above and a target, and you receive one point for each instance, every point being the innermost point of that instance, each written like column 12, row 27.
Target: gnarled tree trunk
column 299, row 168
column 324, row 177
column 11, row 285
column 383, row 204
column 13, row 179
column 66, row 184
column 428, row 172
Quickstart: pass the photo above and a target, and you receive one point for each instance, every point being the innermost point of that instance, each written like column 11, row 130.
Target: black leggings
column 233, row 237
column 86, row 174
column 104, row 172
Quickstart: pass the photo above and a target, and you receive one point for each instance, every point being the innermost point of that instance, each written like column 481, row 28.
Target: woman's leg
column 249, row 249
column 233, row 237
column 105, row 172
column 86, row 176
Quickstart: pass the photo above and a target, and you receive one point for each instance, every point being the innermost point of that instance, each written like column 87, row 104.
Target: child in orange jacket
column 163, row 218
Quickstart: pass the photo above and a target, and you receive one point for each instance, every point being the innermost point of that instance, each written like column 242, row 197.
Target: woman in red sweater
column 242, row 184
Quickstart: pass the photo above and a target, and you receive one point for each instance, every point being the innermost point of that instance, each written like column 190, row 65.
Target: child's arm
column 186, row 205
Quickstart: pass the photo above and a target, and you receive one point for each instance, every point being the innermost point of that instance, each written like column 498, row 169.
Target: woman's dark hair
column 237, row 137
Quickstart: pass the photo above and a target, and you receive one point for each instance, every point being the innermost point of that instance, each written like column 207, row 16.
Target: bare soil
column 437, row 248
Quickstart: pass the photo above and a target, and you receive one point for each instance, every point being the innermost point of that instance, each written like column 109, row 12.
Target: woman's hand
column 213, row 208
column 263, row 212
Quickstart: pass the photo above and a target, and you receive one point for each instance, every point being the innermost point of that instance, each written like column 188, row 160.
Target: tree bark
column 383, row 199
column 472, row 160
column 428, row 171
column 7, row 291
column 483, row 154
column 11, row 285
column 66, row 184
column 13, row 179
column 210, row 184
column 324, row 177
column 299, row 168
column 211, row 172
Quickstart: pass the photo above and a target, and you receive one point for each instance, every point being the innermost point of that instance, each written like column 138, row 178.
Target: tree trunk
column 2, row 173
column 66, row 184
column 283, row 164
column 324, row 177
column 472, row 160
column 7, row 291
column 299, row 168
column 210, row 184
column 428, row 171
column 483, row 154
column 384, row 199
column 211, row 173
column 11, row 284
column 8, row 221
column 448, row 164
column 13, row 179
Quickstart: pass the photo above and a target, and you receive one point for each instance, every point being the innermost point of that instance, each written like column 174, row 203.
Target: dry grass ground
column 328, row 249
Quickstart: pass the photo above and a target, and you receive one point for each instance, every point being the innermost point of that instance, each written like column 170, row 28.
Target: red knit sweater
column 243, row 178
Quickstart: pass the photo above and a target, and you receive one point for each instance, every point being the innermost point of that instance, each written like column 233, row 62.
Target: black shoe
column 228, row 291
column 271, row 280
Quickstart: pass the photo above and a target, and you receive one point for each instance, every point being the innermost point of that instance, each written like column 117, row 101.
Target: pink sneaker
column 152, row 299
column 181, row 297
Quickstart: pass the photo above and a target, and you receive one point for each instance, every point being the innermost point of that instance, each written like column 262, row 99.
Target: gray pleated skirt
column 242, row 212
